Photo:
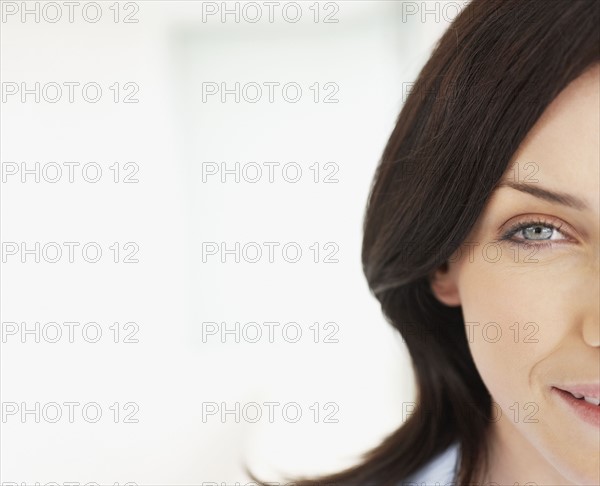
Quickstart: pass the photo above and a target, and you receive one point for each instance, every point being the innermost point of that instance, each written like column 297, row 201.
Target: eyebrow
column 548, row 195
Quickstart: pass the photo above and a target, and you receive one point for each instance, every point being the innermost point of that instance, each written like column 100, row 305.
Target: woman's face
column 530, row 297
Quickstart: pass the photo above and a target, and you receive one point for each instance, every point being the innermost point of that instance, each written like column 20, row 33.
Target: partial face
column 530, row 294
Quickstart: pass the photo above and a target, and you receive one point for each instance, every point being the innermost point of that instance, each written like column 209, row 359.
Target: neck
column 514, row 460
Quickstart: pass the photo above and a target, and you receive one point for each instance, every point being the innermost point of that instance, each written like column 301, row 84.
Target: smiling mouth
column 583, row 401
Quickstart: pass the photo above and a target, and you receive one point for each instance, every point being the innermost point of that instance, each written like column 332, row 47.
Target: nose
column 591, row 323
column 591, row 333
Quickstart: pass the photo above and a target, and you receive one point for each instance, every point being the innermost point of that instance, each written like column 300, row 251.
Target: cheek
column 523, row 325
column 513, row 320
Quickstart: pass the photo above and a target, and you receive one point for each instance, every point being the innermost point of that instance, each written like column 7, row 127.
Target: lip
column 591, row 390
column 587, row 412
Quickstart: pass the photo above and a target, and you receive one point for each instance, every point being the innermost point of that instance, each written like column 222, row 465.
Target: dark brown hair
column 489, row 79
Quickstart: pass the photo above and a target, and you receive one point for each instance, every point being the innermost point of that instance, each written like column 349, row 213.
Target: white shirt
column 440, row 471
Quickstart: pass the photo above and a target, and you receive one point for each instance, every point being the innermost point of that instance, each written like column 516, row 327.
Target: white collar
column 440, row 471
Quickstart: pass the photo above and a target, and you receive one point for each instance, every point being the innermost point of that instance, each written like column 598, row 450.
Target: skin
column 536, row 438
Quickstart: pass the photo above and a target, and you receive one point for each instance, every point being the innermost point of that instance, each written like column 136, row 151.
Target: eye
column 536, row 232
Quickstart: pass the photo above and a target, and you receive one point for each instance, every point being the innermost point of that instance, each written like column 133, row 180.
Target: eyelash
column 509, row 234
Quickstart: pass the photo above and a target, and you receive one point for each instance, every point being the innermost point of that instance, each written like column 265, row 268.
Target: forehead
column 562, row 151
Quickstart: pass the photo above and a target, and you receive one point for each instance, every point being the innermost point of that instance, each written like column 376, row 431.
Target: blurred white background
column 351, row 379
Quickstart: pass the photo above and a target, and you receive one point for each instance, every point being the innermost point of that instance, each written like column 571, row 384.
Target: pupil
column 538, row 232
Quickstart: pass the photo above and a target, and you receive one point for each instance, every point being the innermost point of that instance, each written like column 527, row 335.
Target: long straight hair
column 490, row 77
